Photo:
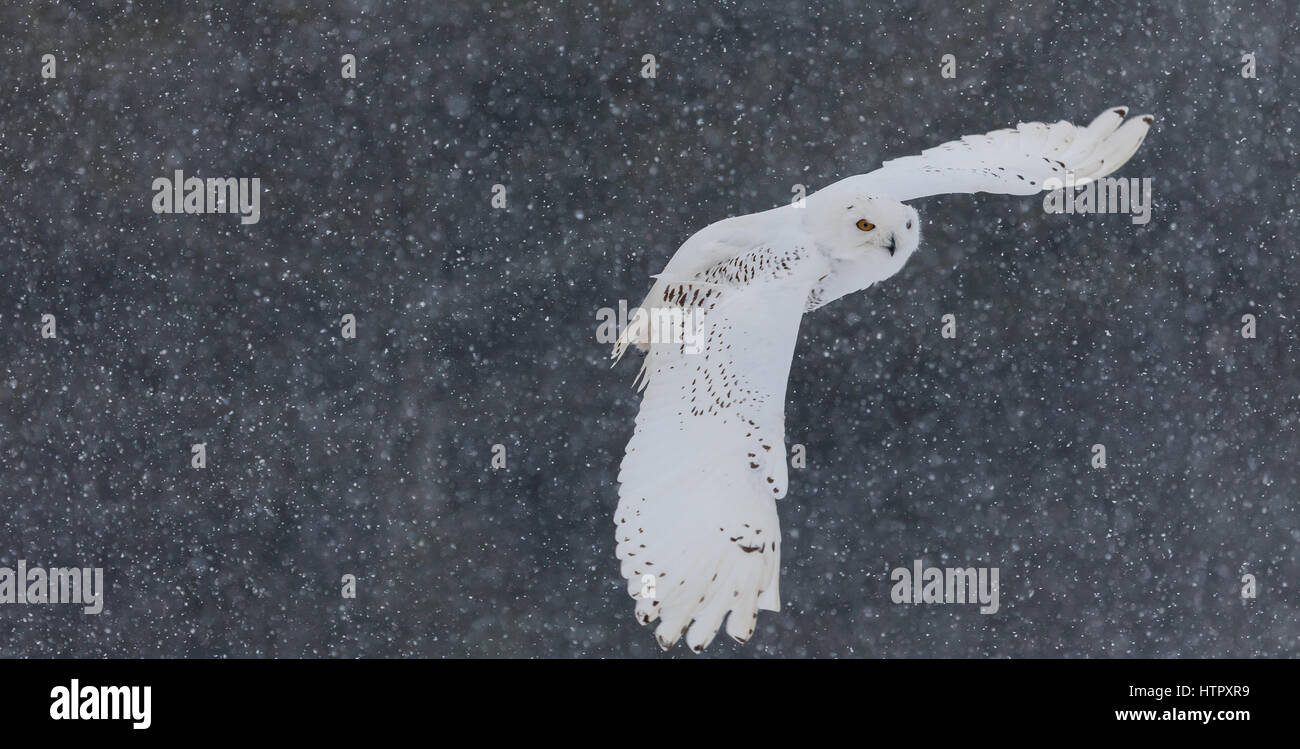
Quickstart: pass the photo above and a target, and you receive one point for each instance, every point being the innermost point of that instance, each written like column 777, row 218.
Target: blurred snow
column 476, row 326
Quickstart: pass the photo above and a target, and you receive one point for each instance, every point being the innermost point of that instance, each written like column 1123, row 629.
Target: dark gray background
column 477, row 326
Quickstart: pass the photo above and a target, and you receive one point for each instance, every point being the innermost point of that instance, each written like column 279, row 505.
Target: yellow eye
column 865, row 225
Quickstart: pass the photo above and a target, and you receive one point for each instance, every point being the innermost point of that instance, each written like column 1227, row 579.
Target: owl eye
column 865, row 225
column 909, row 224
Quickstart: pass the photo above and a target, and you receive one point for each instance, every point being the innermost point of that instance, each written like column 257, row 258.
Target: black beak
column 892, row 245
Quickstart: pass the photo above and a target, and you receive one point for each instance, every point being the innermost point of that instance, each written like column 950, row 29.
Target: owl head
column 871, row 231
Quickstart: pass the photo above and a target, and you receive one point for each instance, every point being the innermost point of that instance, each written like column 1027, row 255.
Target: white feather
column 1010, row 162
column 706, row 463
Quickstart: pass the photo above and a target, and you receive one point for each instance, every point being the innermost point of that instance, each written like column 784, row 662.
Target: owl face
column 874, row 233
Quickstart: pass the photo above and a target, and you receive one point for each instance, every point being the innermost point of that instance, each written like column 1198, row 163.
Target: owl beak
column 892, row 245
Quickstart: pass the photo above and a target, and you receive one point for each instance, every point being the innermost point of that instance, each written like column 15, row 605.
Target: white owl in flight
column 696, row 526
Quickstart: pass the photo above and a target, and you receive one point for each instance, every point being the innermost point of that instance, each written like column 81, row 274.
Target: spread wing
column 1013, row 162
column 696, row 526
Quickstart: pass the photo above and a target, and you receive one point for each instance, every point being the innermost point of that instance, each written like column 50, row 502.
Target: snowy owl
column 696, row 525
